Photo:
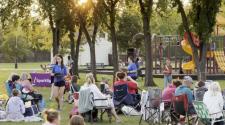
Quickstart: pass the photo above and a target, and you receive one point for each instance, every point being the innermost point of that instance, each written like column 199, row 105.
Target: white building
column 103, row 47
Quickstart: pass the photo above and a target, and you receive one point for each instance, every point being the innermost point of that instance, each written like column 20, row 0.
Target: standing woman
column 59, row 71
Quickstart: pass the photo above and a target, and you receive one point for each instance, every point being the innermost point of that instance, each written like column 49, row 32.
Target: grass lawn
column 7, row 69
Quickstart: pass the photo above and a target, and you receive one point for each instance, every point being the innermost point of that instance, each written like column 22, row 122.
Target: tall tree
column 52, row 10
column 202, row 18
column 110, row 8
column 129, row 24
column 88, row 15
column 146, row 11
column 70, row 21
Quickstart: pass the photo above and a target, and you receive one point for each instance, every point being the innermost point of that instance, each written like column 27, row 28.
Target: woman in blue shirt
column 132, row 68
column 59, row 71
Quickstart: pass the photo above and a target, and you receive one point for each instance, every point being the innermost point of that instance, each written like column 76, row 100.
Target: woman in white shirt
column 213, row 99
column 90, row 83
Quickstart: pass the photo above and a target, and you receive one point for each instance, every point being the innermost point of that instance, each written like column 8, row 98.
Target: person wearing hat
column 185, row 88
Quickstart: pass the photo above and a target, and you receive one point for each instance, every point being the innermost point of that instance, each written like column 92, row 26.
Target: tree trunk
column 54, row 42
column 203, row 53
column 148, row 53
column 93, row 59
column 76, row 57
column 92, row 48
column 146, row 10
column 114, row 41
column 72, row 46
column 55, row 45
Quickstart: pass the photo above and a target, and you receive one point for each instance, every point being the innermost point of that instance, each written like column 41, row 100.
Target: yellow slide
column 220, row 59
column 187, row 48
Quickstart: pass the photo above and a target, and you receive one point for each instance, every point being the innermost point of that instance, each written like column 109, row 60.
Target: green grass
column 26, row 66
column 67, row 107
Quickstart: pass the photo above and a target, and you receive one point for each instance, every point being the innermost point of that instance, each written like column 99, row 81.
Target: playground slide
column 220, row 59
column 187, row 48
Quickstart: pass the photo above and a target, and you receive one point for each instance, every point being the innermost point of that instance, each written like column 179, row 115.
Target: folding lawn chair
column 122, row 98
column 104, row 105
column 165, row 115
column 180, row 108
column 152, row 107
column 203, row 114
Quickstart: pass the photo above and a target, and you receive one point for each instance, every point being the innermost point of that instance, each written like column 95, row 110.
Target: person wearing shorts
column 59, row 71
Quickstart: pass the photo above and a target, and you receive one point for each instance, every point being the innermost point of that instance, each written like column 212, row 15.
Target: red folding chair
column 180, row 108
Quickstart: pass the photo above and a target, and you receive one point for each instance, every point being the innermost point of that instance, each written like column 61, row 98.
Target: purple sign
column 41, row 79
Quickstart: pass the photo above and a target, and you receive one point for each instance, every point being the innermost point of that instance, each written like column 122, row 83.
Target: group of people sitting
column 90, row 86
column 20, row 91
column 211, row 95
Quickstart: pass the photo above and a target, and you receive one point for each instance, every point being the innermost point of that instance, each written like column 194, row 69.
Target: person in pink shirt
column 169, row 91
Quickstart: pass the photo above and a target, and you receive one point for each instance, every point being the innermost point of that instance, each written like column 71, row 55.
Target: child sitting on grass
column 52, row 117
column 15, row 107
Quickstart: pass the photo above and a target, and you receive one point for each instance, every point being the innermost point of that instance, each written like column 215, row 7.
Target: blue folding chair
column 121, row 97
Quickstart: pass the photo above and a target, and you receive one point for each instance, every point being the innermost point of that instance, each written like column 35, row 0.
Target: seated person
column 200, row 91
column 74, row 84
column 52, row 117
column 122, row 78
column 13, row 83
column 213, row 99
column 26, row 82
column 133, row 98
column 185, row 88
column 107, row 89
column 73, row 88
column 15, row 107
column 169, row 91
column 90, row 83
column 28, row 90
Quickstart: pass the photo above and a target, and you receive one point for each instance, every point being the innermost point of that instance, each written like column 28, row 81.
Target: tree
column 146, row 11
column 129, row 24
column 52, row 10
column 202, row 19
column 89, row 15
column 110, row 8
column 10, row 51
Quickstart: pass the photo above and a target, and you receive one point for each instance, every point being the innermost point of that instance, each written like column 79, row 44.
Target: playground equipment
column 190, row 66
column 180, row 53
column 220, row 59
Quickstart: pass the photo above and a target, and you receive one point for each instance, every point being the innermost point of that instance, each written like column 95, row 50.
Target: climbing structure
column 220, row 59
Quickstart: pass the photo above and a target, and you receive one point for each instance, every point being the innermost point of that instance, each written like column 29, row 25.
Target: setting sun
column 82, row 1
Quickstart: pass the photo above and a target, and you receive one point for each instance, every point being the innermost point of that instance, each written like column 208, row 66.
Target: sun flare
column 82, row 1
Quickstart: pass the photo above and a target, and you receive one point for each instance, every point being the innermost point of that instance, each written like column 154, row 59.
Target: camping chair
column 104, row 105
column 165, row 117
column 180, row 108
column 121, row 98
column 152, row 107
column 203, row 114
